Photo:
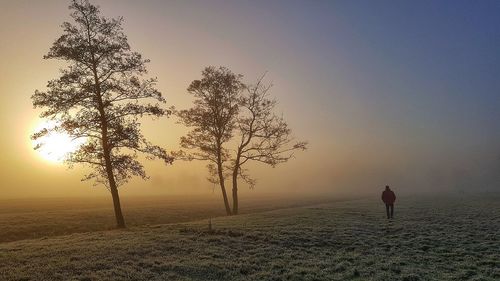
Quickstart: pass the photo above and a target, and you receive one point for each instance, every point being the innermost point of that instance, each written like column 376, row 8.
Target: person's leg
column 387, row 210
column 392, row 211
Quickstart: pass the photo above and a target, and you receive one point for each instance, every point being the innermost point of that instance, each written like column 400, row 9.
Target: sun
column 55, row 146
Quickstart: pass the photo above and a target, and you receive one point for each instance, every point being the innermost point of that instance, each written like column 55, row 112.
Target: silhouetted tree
column 99, row 97
column 223, row 107
column 212, row 118
column 264, row 136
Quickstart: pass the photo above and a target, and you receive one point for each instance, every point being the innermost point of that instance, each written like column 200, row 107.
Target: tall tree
column 100, row 97
column 263, row 136
column 230, row 114
column 213, row 119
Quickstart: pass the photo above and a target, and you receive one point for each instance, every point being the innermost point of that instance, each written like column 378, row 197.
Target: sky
column 404, row 93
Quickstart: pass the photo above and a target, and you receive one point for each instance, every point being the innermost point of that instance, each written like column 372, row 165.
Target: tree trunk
column 223, row 188
column 120, row 221
column 236, row 169
column 221, row 178
column 235, row 191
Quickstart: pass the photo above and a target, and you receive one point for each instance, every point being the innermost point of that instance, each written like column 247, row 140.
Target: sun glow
column 55, row 146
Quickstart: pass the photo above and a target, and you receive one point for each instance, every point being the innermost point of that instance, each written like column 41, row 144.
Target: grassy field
column 429, row 239
column 38, row 218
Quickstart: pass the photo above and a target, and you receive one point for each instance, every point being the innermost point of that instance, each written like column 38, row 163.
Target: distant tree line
column 102, row 93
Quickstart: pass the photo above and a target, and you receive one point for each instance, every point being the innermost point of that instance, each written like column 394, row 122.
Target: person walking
column 389, row 197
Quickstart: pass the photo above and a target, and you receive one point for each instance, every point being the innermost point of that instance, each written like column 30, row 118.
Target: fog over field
column 406, row 94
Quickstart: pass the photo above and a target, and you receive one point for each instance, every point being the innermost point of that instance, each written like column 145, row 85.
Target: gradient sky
column 405, row 93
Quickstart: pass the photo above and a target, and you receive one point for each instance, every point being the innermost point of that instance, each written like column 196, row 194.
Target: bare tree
column 224, row 108
column 212, row 118
column 99, row 98
column 264, row 136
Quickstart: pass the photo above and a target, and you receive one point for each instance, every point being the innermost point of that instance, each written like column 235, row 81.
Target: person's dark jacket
column 388, row 197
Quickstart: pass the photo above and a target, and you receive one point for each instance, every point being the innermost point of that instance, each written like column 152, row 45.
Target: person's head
column 387, row 187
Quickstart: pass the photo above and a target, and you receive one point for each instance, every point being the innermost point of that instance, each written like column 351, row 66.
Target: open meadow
column 38, row 218
column 438, row 238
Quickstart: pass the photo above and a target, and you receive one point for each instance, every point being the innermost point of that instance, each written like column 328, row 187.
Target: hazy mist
column 394, row 95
